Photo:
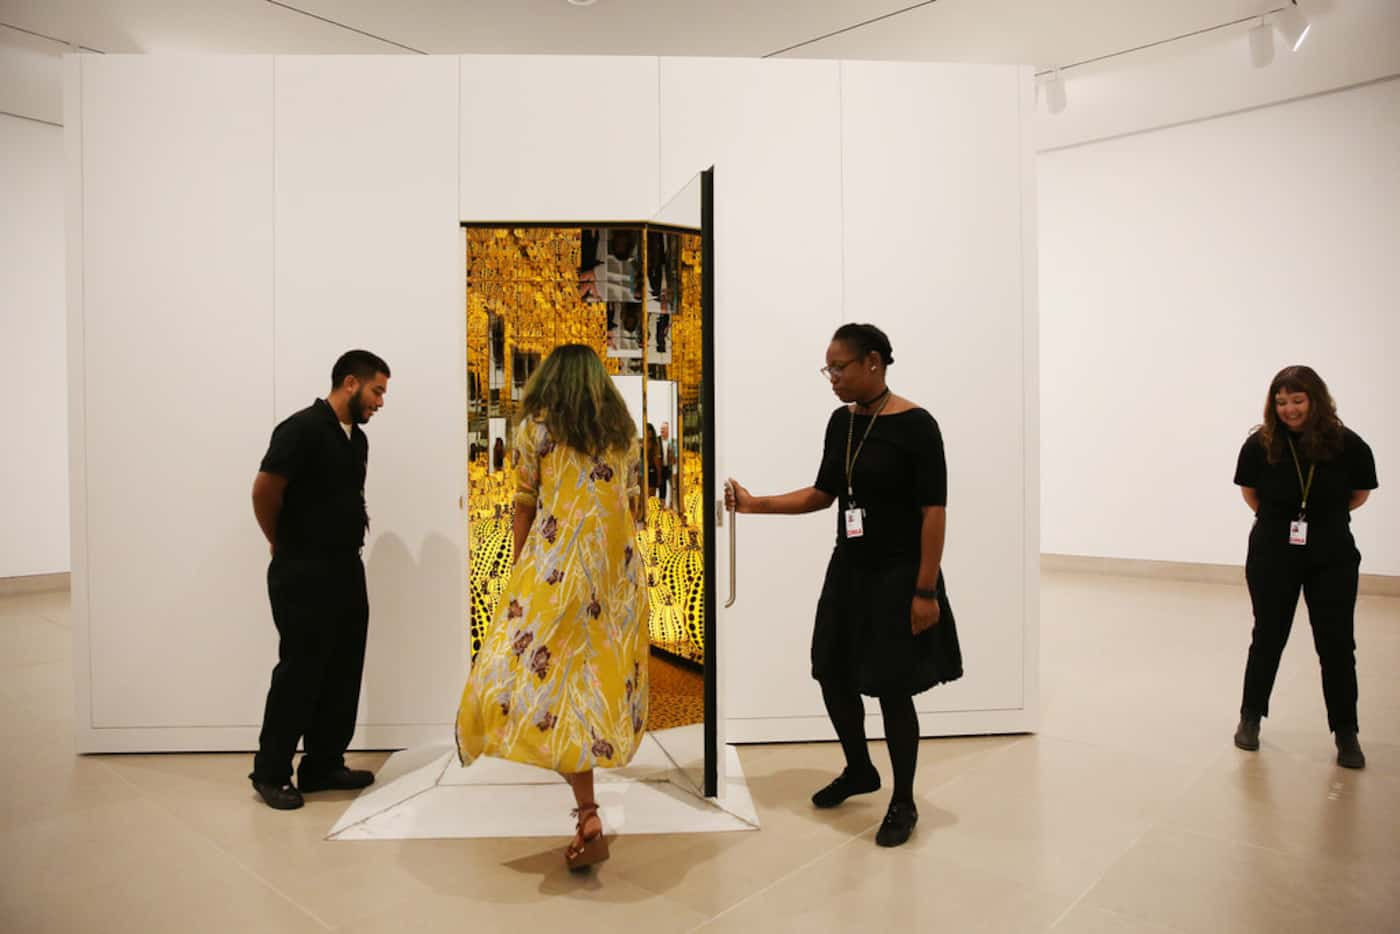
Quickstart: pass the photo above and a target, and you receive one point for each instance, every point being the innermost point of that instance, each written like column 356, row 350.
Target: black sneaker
column 1349, row 754
column 280, row 797
column 844, row 786
column 1247, row 733
column 341, row 779
column 898, row 825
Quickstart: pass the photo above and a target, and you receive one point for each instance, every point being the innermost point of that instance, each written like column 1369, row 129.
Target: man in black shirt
column 309, row 499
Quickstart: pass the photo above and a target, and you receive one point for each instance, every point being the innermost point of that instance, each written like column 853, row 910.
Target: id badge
column 855, row 522
column 1298, row 532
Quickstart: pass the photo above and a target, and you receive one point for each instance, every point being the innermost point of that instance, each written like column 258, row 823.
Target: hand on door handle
column 731, row 504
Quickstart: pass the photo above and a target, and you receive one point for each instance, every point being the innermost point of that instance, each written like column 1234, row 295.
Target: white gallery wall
column 1182, row 267
column 34, row 467
column 234, row 258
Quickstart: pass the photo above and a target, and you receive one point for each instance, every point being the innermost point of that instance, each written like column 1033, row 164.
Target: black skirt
column 863, row 639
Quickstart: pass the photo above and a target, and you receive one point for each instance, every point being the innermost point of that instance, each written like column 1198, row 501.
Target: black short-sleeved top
column 323, row 508
column 1280, row 493
column 900, row 470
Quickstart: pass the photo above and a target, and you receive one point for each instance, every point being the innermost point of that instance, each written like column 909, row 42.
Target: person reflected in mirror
column 623, row 265
column 653, row 458
column 561, row 680
column 309, row 500
column 624, row 329
column 1302, row 472
column 667, row 449
column 498, row 454
column 884, row 627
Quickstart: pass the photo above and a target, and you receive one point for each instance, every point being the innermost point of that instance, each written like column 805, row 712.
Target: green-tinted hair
column 579, row 403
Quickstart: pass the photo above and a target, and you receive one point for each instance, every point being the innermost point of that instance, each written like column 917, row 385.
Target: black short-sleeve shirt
column 1281, row 493
column 900, row 470
column 323, row 508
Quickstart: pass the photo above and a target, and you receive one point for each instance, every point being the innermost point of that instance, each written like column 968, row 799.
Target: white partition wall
column 370, row 254
column 774, row 135
column 899, row 194
column 237, row 223
column 557, row 138
column 173, row 393
column 943, row 265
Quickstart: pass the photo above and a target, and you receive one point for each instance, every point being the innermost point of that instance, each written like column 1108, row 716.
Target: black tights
column 847, row 712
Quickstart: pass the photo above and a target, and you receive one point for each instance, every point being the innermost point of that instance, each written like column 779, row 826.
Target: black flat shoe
column 280, row 797
column 899, row 823
column 844, row 786
column 1349, row 754
column 1247, row 733
column 341, row 779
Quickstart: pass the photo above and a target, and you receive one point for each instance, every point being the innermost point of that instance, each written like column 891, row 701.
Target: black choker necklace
column 868, row 405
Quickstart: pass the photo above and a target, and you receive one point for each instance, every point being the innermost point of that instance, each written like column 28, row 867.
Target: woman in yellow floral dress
column 561, row 679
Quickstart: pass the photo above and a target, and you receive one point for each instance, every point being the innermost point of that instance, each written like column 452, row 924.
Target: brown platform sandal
column 584, row 851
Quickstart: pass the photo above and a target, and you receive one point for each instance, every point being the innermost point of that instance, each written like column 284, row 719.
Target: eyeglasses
column 833, row 370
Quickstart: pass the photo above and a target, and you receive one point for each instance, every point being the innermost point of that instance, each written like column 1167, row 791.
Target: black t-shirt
column 1281, row 493
column 900, row 470
column 323, row 508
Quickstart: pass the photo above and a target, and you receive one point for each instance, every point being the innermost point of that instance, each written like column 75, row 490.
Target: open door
column 641, row 293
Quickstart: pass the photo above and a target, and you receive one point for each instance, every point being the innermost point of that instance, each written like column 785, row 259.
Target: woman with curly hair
column 561, row 679
column 1303, row 472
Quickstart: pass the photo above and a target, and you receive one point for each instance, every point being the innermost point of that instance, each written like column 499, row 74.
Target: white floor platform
column 426, row 793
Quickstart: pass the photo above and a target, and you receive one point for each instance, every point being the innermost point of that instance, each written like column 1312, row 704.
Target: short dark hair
column 866, row 339
column 361, row 364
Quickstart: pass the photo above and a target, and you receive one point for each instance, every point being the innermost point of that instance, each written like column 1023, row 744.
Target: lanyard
column 1305, row 487
column 850, row 435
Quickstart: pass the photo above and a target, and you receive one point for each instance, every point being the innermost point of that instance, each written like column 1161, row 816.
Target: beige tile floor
column 1129, row 812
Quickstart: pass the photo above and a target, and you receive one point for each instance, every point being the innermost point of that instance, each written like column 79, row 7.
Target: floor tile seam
column 1089, row 889
column 786, row 876
column 1144, row 757
column 1312, row 857
column 65, row 664
column 202, row 835
column 1153, row 926
column 977, row 760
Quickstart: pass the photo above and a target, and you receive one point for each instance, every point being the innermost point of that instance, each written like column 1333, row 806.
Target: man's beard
column 356, row 406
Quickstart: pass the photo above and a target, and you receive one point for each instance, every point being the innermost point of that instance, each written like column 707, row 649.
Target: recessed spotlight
column 582, row 2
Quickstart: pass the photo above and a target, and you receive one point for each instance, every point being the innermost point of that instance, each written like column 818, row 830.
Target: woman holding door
column 884, row 627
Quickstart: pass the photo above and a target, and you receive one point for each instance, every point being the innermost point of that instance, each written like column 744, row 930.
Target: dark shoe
column 1349, row 754
column 281, row 797
column 899, row 823
column 1247, row 733
column 844, row 786
column 341, row 779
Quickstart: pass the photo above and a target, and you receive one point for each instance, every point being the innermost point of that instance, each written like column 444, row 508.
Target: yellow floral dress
column 561, row 679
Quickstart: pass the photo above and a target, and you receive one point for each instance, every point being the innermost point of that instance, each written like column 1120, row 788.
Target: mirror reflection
column 633, row 293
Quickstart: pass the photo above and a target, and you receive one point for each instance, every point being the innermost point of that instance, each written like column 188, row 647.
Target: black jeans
column 321, row 609
column 1326, row 572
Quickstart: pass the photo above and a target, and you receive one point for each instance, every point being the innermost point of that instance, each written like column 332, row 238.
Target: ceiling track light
column 1261, row 44
column 1293, row 26
column 1055, row 99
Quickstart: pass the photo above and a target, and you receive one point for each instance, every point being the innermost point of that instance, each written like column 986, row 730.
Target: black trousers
column 1326, row 572
column 321, row 609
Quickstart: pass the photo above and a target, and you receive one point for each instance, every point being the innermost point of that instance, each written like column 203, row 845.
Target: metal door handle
column 733, row 557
